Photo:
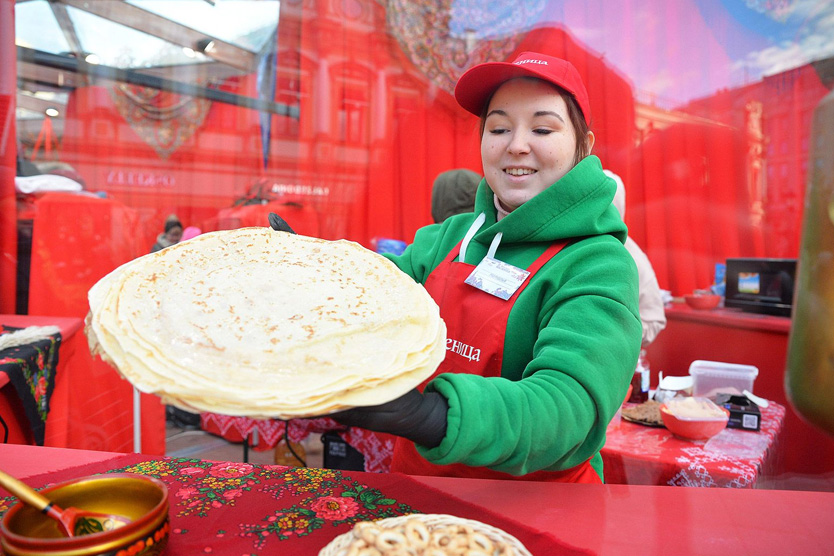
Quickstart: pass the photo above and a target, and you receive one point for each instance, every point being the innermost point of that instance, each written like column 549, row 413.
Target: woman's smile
column 519, row 171
column 528, row 142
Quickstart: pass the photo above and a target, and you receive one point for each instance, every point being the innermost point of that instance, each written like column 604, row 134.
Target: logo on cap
column 542, row 62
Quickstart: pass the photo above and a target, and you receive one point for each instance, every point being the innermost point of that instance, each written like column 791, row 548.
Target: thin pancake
column 262, row 323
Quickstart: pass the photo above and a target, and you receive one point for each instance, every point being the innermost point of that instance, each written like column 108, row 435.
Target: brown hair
column 580, row 127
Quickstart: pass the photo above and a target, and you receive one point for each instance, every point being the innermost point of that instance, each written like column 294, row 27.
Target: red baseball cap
column 479, row 82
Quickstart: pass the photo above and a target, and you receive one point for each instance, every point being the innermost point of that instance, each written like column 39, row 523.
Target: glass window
column 193, row 107
column 340, row 115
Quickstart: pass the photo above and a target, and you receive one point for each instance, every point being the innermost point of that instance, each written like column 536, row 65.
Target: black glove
column 418, row 417
column 279, row 224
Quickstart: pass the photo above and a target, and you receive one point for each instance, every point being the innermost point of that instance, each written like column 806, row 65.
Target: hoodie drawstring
column 470, row 233
column 493, row 247
column 473, row 229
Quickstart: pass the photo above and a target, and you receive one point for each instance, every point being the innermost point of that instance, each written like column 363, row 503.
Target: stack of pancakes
column 266, row 324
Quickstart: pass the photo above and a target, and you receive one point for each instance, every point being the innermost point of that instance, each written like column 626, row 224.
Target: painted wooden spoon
column 73, row 522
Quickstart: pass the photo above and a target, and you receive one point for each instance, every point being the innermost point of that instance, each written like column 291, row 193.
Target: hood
column 619, row 196
column 577, row 205
column 453, row 192
column 163, row 241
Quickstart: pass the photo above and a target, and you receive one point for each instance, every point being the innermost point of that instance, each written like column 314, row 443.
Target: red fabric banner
column 76, row 240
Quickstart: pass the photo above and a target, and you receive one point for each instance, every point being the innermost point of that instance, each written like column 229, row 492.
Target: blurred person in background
column 171, row 235
column 652, row 314
column 453, row 192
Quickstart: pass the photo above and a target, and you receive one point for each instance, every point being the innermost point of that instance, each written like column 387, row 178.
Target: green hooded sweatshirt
column 573, row 334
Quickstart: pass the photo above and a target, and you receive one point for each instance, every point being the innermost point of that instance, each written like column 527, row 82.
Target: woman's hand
column 279, row 224
column 418, row 417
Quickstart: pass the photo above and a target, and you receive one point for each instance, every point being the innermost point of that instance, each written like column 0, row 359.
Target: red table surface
column 605, row 519
column 241, row 508
column 640, row 455
column 92, row 406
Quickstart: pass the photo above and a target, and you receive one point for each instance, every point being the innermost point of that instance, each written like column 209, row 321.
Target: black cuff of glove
column 430, row 421
column 418, row 417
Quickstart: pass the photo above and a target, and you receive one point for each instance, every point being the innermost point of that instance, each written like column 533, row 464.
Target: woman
column 650, row 300
column 534, row 370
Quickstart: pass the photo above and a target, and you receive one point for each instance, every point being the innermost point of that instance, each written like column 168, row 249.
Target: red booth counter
column 591, row 519
column 733, row 336
column 20, row 431
column 91, row 407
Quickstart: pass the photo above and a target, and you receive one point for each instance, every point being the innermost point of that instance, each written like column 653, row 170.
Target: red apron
column 476, row 320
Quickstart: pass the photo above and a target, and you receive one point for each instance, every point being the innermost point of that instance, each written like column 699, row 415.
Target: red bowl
column 693, row 429
column 702, row 302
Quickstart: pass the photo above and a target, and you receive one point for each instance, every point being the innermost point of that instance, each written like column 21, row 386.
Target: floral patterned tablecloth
column 639, row 455
column 31, row 370
column 228, row 508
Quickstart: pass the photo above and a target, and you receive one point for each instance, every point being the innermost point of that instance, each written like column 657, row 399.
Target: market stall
column 637, row 454
column 28, row 367
column 550, row 518
column 738, row 337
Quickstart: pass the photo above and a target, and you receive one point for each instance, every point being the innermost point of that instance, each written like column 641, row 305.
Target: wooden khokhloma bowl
column 24, row 531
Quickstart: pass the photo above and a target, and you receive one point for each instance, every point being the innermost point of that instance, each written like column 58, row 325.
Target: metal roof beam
column 37, row 104
column 81, row 69
column 165, row 29
column 61, row 79
column 67, row 27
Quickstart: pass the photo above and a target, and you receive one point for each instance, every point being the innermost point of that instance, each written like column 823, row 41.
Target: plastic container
column 714, row 377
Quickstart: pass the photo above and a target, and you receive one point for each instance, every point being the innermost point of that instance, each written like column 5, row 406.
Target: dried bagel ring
column 480, row 541
column 367, row 531
column 389, row 540
column 441, row 539
column 357, row 548
column 458, row 544
column 417, row 533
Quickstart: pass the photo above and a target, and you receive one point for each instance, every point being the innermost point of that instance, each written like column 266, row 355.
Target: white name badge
column 497, row 278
